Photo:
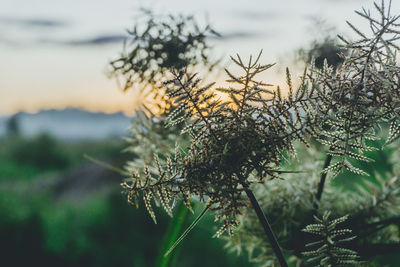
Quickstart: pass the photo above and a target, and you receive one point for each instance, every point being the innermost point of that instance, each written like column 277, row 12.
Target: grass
column 173, row 231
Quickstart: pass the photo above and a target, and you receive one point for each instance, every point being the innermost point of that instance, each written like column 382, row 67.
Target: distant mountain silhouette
column 70, row 124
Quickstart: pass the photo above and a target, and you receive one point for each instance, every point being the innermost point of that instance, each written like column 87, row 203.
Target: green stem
column 186, row 232
column 105, row 165
column 172, row 233
column 267, row 227
column 322, row 182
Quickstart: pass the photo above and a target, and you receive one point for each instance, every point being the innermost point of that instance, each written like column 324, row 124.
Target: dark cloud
column 119, row 39
column 236, row 35
column 97, row 41
column 100, row 40
column 92, row 41
column 32, row 22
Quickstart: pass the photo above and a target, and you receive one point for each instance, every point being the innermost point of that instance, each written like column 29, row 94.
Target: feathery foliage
column 328, row 251
column 156, row 44
column 150, row 136
column 233, row 143
column 363, row 91
column 373, row 208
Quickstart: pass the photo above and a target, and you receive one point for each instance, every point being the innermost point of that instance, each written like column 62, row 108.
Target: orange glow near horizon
column 114, row 102
column 107, row 99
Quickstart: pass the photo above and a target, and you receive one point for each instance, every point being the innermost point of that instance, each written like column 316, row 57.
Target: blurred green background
column 59, row 209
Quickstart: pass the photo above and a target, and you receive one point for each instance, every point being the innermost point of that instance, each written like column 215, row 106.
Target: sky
column 54, row 54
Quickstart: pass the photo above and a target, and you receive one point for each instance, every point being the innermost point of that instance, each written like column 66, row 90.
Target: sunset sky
column 54, row 54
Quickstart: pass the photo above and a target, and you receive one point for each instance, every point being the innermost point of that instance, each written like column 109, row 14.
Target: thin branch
column 322, row 182
column 105, row 165
column 186, row 232
column 267, row 227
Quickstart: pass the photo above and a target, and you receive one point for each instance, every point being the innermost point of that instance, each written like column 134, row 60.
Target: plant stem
column 186, row 232
column 105, row 165
column 172, row 233
column 267, row 227
column 322, row 181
